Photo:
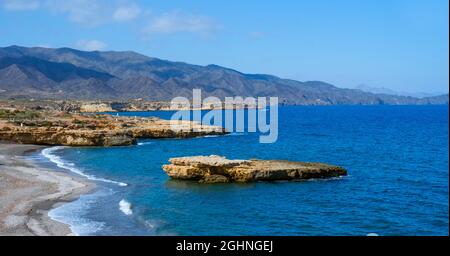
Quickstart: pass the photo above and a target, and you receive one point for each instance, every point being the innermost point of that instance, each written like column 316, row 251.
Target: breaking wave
column 49, row 154
column 125, row 207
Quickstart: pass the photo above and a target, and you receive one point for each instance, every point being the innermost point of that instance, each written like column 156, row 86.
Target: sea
column 397, row 158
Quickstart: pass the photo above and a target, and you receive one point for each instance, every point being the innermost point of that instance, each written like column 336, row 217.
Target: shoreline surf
column 31, row 191
column 47, row 153
column 71, row 213
column 107, row 194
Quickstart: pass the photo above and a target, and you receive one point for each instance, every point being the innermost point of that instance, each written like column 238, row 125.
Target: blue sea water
column 397, row 158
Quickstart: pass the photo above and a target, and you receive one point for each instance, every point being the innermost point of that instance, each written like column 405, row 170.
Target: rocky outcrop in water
column 218, row 169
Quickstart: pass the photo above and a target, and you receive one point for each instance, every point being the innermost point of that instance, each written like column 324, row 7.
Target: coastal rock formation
column 85, row 106
column 60, row 128
column 218, row 169
column 96, row 107
column 68, row 138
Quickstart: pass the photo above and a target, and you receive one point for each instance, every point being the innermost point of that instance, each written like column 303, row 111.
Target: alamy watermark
column 258, row 111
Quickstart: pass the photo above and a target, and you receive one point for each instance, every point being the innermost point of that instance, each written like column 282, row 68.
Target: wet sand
column 29, row 191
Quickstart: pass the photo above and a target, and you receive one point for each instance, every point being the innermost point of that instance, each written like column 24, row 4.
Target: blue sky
column 397, row 44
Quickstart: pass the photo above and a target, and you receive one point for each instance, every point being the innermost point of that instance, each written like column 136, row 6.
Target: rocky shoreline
column 218, row 169
column 72, row 129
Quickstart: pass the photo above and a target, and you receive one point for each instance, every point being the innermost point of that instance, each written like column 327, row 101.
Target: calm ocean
column 397, row 158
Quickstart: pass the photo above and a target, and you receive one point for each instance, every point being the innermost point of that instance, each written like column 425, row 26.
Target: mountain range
column 65, row 73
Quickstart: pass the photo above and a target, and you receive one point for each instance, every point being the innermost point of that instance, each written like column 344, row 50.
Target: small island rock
column 218, row 169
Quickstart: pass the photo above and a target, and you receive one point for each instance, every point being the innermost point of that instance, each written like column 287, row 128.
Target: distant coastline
column 139, row 105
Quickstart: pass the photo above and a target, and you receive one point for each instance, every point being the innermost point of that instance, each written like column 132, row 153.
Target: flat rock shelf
column 74, row 129
column 218, row 169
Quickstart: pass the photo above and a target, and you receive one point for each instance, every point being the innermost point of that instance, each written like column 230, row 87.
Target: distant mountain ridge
column 65, row 73
column 383, row 90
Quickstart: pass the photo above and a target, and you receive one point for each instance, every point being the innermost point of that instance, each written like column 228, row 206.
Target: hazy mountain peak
column 383, row 90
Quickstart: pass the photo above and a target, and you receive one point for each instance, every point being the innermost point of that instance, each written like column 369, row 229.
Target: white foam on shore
column 235, row 134
column 125, row 207
column 328, row 179
column 72, row 214
column 48, row 153
column 210, row 136
column 144, row 143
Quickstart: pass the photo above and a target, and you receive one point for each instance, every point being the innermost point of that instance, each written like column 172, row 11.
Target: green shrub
column 19, row 114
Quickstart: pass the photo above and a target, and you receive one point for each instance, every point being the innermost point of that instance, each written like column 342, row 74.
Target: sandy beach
column 28, row 192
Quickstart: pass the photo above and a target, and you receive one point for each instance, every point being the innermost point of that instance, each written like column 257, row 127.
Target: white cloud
column 126, row 13
column 85, row 12
column 94, row 12
column 177, row 21
column 19, row 5
column 90, row 45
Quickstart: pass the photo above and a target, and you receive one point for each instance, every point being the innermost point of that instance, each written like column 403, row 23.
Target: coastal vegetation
column 19, row 114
